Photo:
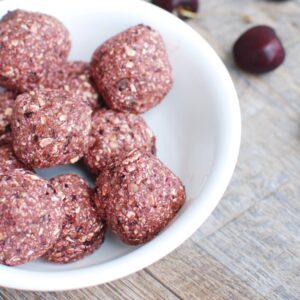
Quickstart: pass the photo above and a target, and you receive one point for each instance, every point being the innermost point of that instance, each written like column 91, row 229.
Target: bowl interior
column 197, row 125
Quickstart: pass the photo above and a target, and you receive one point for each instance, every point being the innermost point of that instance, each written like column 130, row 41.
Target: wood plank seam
column 162, row 284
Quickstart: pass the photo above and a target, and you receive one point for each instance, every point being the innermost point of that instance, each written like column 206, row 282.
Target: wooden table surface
column 249, row 248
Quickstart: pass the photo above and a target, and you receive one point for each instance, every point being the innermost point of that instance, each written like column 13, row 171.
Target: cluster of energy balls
column 51, row 113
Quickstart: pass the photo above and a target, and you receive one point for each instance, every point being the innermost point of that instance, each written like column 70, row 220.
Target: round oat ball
column 8, row 161
column 82, row 231
column 50, row 128
column 30, row 217
column 114, row 133
column 132, row 71
column 138, row 196
column 32, row 46
column 75, row 76
column 7, row 100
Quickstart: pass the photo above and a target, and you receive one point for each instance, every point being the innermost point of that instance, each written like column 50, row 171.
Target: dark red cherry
column 258, row 50
column 185, row 9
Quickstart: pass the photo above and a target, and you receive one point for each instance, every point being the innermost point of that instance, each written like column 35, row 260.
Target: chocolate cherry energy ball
column 132, row 71
column 75, row 76
column 50, row 127
column 82, row 231
column 7, row 100
column 8, row 161
column 138, row 196
column 30, row 217
column 114, row 133
column 32, row 46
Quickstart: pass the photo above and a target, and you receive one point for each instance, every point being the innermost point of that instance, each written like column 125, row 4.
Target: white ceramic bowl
column 197, row 128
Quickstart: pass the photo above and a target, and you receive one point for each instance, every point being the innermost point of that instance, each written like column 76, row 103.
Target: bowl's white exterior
column 198, row 128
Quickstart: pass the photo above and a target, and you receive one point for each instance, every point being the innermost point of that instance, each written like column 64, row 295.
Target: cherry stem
column 183, row 12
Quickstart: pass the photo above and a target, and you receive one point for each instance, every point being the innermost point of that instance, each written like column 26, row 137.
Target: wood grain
column 249, row 248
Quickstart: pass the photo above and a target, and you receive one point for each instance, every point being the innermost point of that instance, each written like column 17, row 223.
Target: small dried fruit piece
column 258, row 50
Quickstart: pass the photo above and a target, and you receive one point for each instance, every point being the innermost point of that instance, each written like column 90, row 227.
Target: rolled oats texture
column 83, row 230
column 75, row 76
column 50, row 128
column 7, row 99
column 6, row 138
column 8, row 160
column 138, row 196
column 32, row 46
column 132, row 71
column 114, row 133
column 30, row 217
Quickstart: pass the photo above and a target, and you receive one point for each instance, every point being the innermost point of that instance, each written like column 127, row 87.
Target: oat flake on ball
column 32, row 46
column 138, row 196
column 7, row 100
column 30, row 217
column 82, row 231
column 50, row 128
column 8, row 161
column 114, row 133
column 132, row 71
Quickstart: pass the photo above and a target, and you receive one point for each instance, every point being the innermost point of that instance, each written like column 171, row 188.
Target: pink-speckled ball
column 132, row 70
column 138, row 196
column 32, row 46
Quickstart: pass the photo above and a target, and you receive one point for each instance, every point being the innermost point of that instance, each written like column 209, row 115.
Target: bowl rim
column 215, row 186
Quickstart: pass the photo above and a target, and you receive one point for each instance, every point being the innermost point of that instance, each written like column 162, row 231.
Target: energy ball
column 138, row 196
column 75, row 76
column 30, row 217
column 114, row 133
column 132, row 71
column 50, row 128
column 8, row 161
column 7, row 100
column 82, row 230
column 32, row 46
